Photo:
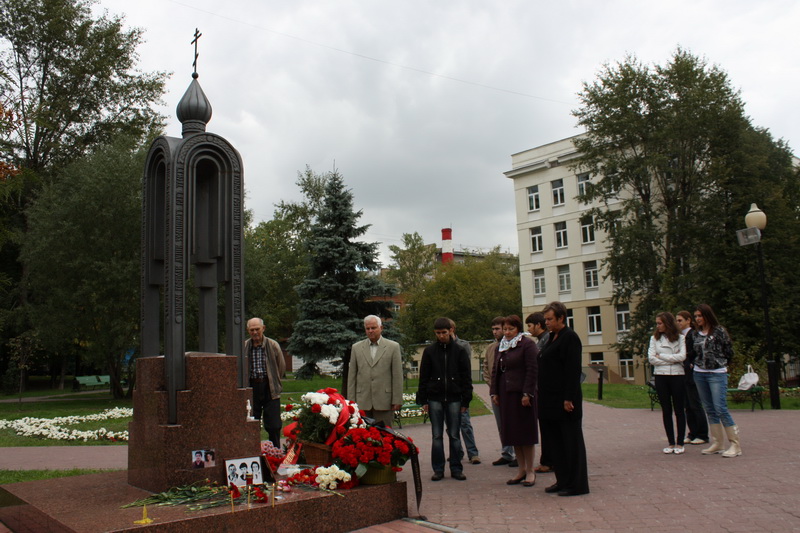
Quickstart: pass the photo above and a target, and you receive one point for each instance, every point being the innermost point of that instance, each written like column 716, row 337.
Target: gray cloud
column 309, row 82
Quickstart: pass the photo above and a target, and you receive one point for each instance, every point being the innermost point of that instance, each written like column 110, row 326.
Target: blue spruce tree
column 340, row 287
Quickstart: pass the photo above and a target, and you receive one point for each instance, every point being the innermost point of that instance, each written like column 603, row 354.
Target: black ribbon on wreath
column 413, row 457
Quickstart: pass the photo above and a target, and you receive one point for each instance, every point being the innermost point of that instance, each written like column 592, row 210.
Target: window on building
column 626, row 365
column 564, row 283
column 593, row 315
column 533, row 198
column 536, row 240
column 591, row 275
column 587, row 230
column 561, row 234
column 596, row 358
column 570, row 319
column 538, row 282
column 558, row 192
column 623, row 318
column 583, row 180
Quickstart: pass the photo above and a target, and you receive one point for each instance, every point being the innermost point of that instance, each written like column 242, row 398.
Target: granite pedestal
column 212, row 415
column 92, row 503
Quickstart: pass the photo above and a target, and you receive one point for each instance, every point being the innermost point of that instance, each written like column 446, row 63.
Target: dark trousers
column 695, row 415
column 671, row 392
column 564, row 440
column 263, row 404
column 545, row 459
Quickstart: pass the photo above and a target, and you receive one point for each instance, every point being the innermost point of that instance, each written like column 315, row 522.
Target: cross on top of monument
column 197, row 36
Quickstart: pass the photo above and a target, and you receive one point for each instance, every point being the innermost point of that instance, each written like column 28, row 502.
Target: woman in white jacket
column 666, row 353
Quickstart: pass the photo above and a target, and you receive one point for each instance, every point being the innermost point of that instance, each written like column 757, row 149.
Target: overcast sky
column 420, row 104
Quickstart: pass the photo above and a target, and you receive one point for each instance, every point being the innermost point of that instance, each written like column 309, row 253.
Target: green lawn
column 17, row 476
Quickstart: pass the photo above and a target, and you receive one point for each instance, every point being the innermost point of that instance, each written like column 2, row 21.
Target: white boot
column 733, row 437
column 717, row 439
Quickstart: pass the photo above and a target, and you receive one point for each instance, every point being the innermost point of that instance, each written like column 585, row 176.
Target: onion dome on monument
column 194, row 109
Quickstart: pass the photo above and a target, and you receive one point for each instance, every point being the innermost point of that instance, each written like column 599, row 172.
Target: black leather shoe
column 552, row 488
column 502, row 461
column 515, row 481
column 570, row 492
column 459, row 476
column 513, row 464
column 437, row 476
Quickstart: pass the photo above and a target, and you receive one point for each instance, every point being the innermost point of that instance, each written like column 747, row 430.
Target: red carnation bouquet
column 360, row 447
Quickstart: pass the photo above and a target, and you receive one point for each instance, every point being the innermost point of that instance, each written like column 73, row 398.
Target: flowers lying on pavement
column 51, row 428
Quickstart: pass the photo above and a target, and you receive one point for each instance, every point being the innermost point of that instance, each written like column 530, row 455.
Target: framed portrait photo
column 236, row 470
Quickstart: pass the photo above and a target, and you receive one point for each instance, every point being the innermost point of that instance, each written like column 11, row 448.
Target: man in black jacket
column 445, row 390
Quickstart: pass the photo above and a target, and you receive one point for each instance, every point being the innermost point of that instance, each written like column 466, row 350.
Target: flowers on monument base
column 327, row 478
column 272, row 454
column 322, row 417
column 362, row 447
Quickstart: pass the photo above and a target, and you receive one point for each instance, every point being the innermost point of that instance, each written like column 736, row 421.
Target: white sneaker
column 698, row 441
column 687, row 440
column 678, row 450
column 669, row 449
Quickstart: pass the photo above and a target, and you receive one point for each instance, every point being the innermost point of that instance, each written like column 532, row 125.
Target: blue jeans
column 468, row 435
column 508, row 451
column 713, row 390
column 449, row 414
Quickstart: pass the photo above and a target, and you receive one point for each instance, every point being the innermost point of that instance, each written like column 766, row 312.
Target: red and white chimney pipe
column 447, row 245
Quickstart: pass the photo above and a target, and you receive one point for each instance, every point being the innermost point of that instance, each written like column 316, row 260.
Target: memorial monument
column 192, row 231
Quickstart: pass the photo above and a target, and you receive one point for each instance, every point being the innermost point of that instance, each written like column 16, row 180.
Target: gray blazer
column 376, row 384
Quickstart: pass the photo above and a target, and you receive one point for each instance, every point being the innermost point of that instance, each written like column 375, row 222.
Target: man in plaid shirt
column 267, row 366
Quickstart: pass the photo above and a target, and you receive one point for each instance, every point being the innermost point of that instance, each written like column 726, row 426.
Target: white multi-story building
column 561, row 254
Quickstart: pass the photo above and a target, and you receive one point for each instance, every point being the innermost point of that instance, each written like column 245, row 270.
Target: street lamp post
column 756, row 219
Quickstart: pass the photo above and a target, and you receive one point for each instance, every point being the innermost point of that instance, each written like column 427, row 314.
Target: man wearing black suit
column 561, row 404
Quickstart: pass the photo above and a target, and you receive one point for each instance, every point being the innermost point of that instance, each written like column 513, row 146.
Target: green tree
column 68, row 84
column 669, row 149
column 276, row 257
column 71, row 81
column 339, row 289
column 471, row 293
column 412, row 265
column 83, row 254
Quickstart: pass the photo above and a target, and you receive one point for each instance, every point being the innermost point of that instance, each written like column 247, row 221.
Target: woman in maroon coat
column 513, row 389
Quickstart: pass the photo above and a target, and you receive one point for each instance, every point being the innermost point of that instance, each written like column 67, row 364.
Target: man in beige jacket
column 375, row 378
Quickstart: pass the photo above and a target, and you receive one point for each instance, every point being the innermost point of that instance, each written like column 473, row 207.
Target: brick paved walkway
column 634, row 486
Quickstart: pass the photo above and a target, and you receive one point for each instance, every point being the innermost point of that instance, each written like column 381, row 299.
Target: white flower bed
column 51, row 428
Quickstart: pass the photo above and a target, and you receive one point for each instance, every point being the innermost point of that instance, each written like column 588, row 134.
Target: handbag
column 748, row 380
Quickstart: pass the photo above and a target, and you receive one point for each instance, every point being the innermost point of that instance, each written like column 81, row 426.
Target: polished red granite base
column 212, row 415
column 92, row 503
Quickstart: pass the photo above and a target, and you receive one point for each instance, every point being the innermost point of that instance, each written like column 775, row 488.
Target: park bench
column 754, row 394
column 398, row 415
column 91, row 382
